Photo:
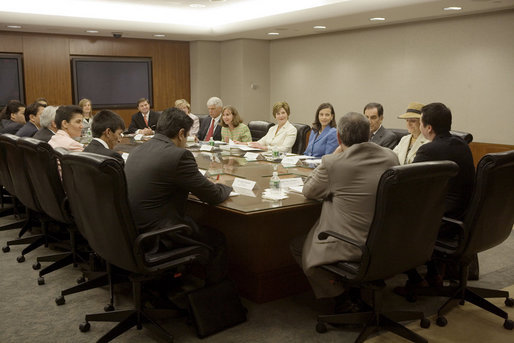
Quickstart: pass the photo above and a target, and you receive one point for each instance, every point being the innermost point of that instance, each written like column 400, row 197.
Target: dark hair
column 42, row 99
column 376, row 105
column 171, row 121
column 353, row 128
column 140, row 100
column 438, row 116
column 316, row 126
column 32, row 109
column 236, row 118
column 12, row 107
column 66, row 113
column 104, row 120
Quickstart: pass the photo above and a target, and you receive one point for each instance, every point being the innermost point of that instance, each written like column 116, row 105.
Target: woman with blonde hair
column 87, row 112
column 183, row 105
column 232, row 126
column 409, row 144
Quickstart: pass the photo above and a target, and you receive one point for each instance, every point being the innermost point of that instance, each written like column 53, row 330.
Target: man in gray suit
column 346, row 181
column 379, row 134
column 47, row 122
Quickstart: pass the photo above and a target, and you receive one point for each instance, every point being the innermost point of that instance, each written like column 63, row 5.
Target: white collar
column 102, row 142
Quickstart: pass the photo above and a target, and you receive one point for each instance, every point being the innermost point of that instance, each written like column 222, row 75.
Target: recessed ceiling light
column 14, row 26
column 319, row 27
column 377, row 19
column 197, row 5
column 452, row 8
column 91, row 31
column 217, row 0
column 159, row 35
column 273, row 33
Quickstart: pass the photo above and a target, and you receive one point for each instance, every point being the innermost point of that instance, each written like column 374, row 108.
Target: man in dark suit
column 379, row 134
column 106, row 128
column 32, row 118
column 12, row 117
column 145, row 120
column 47, row 123
column 160, row 175
column 209, row 125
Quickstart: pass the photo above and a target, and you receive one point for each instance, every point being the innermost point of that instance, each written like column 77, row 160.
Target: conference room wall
column 464, row 62
column 47, row 70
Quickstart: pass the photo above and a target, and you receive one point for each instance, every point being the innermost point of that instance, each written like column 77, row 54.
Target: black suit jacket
column 27, row 130
column 44, row 134
column 385, row 138
column 10, row 126
column 204, row 127
column 160, row 176
column 137, row 122
column 460, row 187
column 97, row 148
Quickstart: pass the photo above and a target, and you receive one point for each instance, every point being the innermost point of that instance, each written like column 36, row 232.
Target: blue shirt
column 323, row 144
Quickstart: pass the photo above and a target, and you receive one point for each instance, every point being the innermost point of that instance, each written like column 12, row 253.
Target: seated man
column 160, row 175
column 106, row 128
column 378, row 133
column 47, row 123
column 210, row 126
column 12, row 117
column 144, row 121
column 32, row 118
column 346, row 181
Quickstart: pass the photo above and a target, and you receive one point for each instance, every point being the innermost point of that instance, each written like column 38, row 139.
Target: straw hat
column 413, row 111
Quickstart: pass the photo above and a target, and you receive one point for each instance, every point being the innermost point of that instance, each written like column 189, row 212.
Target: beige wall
column 205, row 72
column 466, row 63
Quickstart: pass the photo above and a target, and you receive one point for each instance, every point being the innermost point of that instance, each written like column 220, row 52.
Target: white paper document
column 292, row 182
column 243, row 183
column 206, row 147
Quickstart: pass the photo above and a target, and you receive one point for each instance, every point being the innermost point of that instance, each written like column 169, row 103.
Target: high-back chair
column 401, row 236
column 488, row 223
column 301, row 138
column 259, row 128
column 96, row 184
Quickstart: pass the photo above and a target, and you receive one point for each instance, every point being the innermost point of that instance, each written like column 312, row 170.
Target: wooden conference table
column 258, row 231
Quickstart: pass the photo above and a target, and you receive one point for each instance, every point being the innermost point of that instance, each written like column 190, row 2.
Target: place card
column 203, row 171
column 243, row 183
column 291, row 161
column 291, row 182
column 253, row 156
column 242, row 191
column 138, row 137
column 206, row 147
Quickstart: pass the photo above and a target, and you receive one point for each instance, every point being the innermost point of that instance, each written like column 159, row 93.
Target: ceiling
column 224, row 19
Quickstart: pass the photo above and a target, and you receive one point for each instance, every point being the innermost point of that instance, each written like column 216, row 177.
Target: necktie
column 211, row 130
column 146, row 120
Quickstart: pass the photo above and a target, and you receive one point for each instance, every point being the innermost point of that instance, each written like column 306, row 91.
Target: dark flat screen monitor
column 112, row 82
column 11, row 78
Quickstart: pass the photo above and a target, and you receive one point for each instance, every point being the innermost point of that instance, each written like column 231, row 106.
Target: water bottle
column 88, row 132
column 274, row 184
column 276, row 153
column 211, row 141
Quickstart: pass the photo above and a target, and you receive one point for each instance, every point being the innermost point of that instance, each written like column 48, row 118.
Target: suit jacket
column 460, row 187
column 406, row 156
column 385, row 138
column 204, row 127
column 346, row 183
column 138, row 122
column 160, row 176
column 27, row 130
column 44, row 134
column 323, row 144
column 97, row 148
column 283, row 141
column 9, row 126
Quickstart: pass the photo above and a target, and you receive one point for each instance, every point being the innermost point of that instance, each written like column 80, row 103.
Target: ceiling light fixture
column 273, row 33
column 14, row 26
column 319, row 27
column 159, row 35
column 197, row 5
column 91, row 31
column 377, row 19
column 452, row 8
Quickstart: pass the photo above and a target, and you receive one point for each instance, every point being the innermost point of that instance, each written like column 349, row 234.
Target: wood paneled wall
column 47, row 68
column 480, row 149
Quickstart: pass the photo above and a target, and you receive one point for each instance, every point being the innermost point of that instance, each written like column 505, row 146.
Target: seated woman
column 280, row 137
column 87, row 113
column 183, row 105
column 68, row 120
column 323, row 137
column 232, row 126
column 409, row 144
column 12, row 117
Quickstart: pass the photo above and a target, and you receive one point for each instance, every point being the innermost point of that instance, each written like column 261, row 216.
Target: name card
column 292, row 182
column 253, row 156
column 291, row 160
column 138, row 137
column 203, row 171
column 125, row 155
column 205, row 147
column 242, row 191
column 243, row 183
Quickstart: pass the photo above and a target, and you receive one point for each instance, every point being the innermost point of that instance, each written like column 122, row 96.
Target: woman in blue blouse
column 323, row 137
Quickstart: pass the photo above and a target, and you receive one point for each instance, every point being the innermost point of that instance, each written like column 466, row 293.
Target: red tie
column 146, row 120
column 211, row 130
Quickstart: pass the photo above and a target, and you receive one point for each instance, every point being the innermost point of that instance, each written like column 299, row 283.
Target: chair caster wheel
column 109, row 308
column 424, row 323
column 441, row 321
column 412, row 298
column 81, row 279
column 60, row 300
column 36, row 266
column 509, row 302
column 321, row 328
column 6, row 248
column 84, row 327
column 40, row 280
column 20, row 259
column 509, row 324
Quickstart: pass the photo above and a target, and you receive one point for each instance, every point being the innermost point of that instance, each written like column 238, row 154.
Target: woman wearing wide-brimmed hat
column 409, row 144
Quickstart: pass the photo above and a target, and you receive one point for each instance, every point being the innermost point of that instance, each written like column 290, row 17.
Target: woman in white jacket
column 409, row 144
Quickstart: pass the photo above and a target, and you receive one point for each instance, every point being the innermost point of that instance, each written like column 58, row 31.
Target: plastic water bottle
column 211, row 141
column 274, row 184
column 88, row 132
column 275, row 153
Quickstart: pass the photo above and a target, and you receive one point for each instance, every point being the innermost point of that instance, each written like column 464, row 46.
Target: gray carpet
column 29, row 313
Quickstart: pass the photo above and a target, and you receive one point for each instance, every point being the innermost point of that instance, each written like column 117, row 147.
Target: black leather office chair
column 466, row 136
column 259, row 128
column 96, row 184
column 400, row 133
column 202, row 116
column 391, row 248
column 301, row 138
column 488, row 223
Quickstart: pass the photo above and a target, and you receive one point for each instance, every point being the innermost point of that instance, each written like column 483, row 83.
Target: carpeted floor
column 29, row 313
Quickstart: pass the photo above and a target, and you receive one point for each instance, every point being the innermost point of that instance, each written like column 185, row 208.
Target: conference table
column 258, row 231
